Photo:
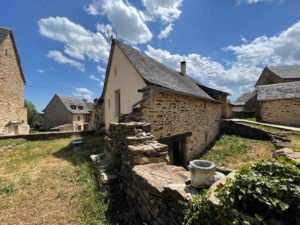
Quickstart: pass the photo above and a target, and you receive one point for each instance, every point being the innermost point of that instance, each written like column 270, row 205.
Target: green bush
column 265, row 193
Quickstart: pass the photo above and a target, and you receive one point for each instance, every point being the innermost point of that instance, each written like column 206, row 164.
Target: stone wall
column 47, row 135
column 97, row 116
column 153, row 189
column 56, row 114
column 286, row 111
column 12, row 108
column 172, row 114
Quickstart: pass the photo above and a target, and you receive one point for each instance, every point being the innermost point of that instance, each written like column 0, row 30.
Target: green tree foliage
column 266, row 193
column 35, row 119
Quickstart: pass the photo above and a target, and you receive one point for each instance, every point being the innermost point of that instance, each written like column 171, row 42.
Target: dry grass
column 48, row 182
column 234, row 152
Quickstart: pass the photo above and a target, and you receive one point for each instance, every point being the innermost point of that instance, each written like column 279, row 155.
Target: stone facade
column 285, row 111
column 13, row 114
column 97, row 117
column 172, row 115
column 56, row 114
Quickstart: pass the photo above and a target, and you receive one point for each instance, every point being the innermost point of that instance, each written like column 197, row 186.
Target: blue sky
column 226, row 43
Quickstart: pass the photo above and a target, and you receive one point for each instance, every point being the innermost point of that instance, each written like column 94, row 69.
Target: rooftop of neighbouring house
column 278, row 91
column 286, row 72
column 157, row 75
column 244, row 98
column 76, row 105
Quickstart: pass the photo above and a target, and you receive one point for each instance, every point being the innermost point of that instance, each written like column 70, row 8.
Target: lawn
column 234, row 152
column 52, row 182
column 292, row 135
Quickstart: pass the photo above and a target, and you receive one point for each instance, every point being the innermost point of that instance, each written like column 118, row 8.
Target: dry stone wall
column 153, row 189
column 286, row 111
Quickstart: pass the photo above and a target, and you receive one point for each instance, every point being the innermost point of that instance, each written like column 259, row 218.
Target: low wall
column 234, row 128
column 153, row 189
column 47, row 135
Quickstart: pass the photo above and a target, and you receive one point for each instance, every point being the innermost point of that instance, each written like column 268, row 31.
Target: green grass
column 233, row 151
column 55, row 182
column 7, row 142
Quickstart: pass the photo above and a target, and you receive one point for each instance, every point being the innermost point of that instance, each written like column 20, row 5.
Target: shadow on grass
column 102, row 204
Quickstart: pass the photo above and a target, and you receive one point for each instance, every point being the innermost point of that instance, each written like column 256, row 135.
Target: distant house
column 245, row 106
column 280, row 103
column 13, row 114
column 278, row 74
column 184, row 113
column 68, row 113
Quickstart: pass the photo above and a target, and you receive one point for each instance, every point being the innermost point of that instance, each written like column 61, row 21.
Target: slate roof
column 286, row 72
column 3, row 34
column 278, row 91
column 244, row 98
column 68, row 101
column 157, row 74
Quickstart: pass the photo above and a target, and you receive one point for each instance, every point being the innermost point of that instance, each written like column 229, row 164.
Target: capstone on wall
column 172, row 114
column 285, row 111
column 12, row 110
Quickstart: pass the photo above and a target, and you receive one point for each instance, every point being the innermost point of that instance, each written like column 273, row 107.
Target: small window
column 6, row 52
column 116, row 71
column 108, row 103
column 73, row 106
column 117, row 103
column 80, row 107
column 78, row 118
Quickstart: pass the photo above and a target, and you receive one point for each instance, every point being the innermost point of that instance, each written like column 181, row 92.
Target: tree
column 35, row 119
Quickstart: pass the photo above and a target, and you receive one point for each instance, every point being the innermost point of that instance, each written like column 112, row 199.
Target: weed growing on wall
column 266, row 193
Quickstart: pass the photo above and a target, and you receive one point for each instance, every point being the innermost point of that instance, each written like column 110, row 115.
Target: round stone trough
column 203, row 173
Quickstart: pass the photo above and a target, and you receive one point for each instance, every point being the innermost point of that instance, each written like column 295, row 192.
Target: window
column 117, row 103
column 116, row 71
column 78, row 118
column 6, row 53
column 108, row 103
column 80, row 107
column 73, row 106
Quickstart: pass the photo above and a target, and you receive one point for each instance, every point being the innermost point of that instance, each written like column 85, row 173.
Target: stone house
column 13, row 114
column 246, row 105
column 184, row 113
column 280, row 103
column 68, row 113
column 278, row 74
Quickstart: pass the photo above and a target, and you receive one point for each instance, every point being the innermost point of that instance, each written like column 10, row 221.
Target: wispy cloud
column 83, row 93
column 41, row 71
column 60, row 58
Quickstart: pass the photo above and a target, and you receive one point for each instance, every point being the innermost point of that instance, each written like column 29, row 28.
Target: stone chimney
column 183, row 67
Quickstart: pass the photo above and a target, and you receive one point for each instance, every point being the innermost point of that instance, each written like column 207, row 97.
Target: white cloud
column 164, row 33
column 128, row 21
column 250, row 58
column 252, row 1
column 167, row 10
column 107, row 29
column 60, row 58
column 78, row 42
column 93, row 77
column 100, row 69
column 101, row 84
column 83, row 93
column 40, row 71
column 103, row 76
column 280, row 49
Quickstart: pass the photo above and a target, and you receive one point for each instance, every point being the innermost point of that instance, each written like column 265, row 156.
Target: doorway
column 176, row 150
